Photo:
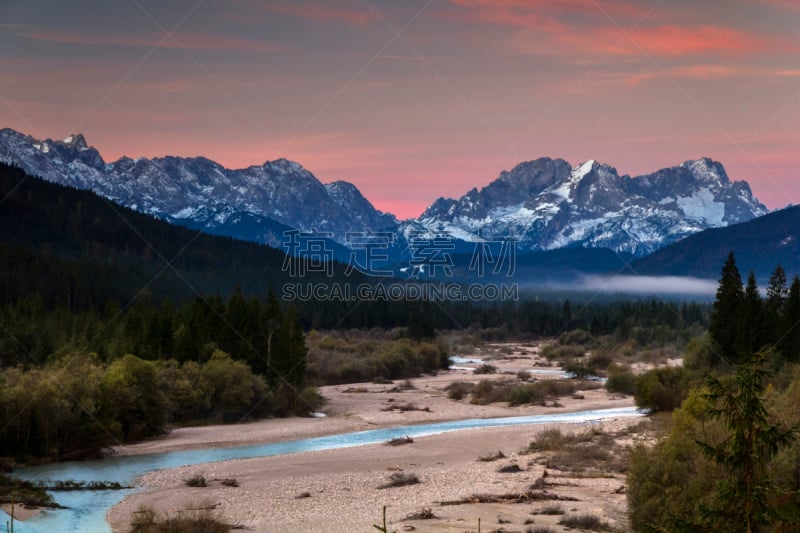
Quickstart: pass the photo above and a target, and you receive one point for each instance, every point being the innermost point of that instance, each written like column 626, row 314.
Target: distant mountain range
column 544, row 204
column 548, row 205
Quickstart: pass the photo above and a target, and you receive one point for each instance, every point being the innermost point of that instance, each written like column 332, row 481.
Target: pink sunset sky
column 412, row 100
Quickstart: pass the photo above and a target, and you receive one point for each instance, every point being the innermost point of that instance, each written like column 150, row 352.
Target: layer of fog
column 667, row 285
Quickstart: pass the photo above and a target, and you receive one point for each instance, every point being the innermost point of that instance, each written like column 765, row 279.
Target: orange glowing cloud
column 673, row 41
column 549, row 27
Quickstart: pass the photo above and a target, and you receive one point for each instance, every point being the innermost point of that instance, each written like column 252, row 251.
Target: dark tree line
column 744, row 322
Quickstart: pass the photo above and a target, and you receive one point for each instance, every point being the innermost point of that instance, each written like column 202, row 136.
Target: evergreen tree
column 777, row 291
column 725, row 323
column 789, row 333
column 752, row 317
column 289, row 360
column 753, row 441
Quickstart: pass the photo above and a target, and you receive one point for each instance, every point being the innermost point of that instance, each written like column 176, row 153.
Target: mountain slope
column 200, row 192
column 75, row 248
column 759, row 244
column 547, row 205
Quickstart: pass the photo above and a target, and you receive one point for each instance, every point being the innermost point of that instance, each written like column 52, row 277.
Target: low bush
column 196, row 481
column 562, row 353
column 510, row 469
column 485, row 369
column 146, row 520
column 661, row 389
column 492, row 457
column 579, row 368
column 620, row 380
column 515, row 393
column 400, row 479
column 554, row 439
column 457, row 390
column 550, row 509
column 588, row 522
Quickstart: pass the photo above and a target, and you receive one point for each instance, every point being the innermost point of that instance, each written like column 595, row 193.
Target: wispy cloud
column 525, row 12
column 188, row 40
column 658, row 41
column 587, row 27
column 320, row 12
column 712, row 72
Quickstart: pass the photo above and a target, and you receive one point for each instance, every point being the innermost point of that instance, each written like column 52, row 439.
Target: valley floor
column 336, row 490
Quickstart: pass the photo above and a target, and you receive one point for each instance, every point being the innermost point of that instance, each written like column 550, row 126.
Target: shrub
column 425, row 513
column 525, row 394
column 550, row 509
column 600, row 360
column 661, row 389
column 486, row 369
column 586, row 521
column 459, row 389
column 492, row 457
column 579, row 368
column 561, row 353
column 196, row 481
column 509, row 469
column 400, row 479
column 554, row 439
column 399, row 441
column 486, row 392
column 146, row 520
column 576, row 336
column 620, row 380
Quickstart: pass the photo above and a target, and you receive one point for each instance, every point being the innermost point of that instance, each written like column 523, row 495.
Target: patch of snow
column 186, row 212
column 68, row 140
column 701, row 206
column 580, row 171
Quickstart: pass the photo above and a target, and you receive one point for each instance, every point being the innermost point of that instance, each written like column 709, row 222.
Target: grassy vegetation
column 492, row 457
column 458, row 390
column 147, row 520
column 485, row 368
column 592, row 450
column 550, row 509
column 515, row 393
column 367, row 356
column 585, row 522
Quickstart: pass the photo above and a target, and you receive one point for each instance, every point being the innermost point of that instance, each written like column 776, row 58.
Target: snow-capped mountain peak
column 591, row 205
column 544, row 203
column 76, row 141
column 197, row 191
